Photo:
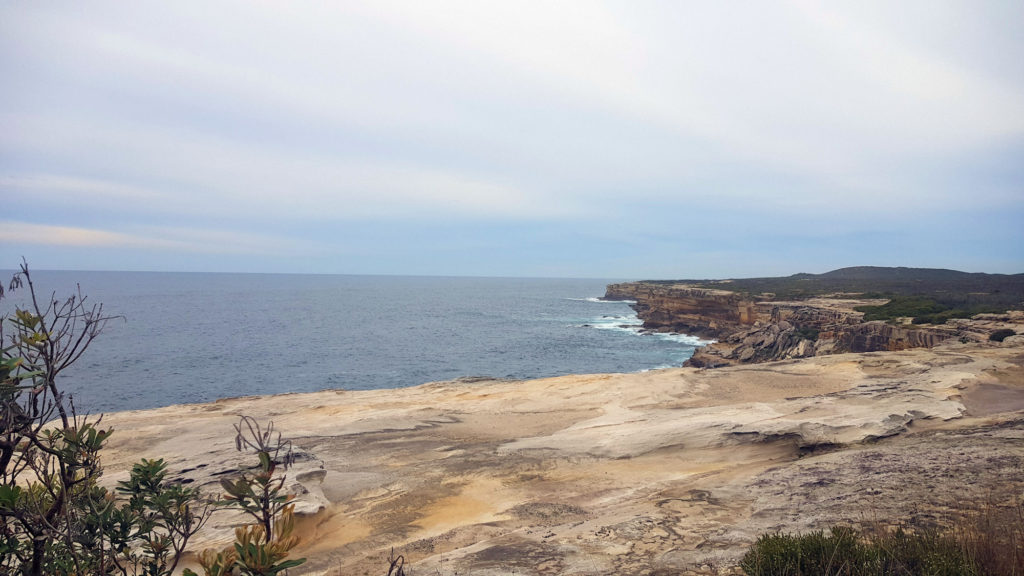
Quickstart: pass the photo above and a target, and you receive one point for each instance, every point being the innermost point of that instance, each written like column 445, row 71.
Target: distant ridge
column 876, row 273
column 947, row 286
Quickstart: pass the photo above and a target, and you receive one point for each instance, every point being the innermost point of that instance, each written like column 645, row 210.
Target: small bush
column 902, row 306
column 808, row 333
column 922, row 310
column 840, row 552
column 945, row 315
column 1000, row 335
column 845, row 552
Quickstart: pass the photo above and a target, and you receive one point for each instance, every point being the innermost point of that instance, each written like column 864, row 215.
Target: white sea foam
column 600, row 300
column 662, row 367
column 629, row 323
column 685, row 339
column 634, row 325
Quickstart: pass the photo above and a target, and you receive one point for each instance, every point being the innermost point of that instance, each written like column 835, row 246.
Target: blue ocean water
column 197, row 337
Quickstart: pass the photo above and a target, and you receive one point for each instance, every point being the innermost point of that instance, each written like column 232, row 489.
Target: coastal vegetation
column 808, row 333
column 984, row 541
column 845, row 552
column 1000, row 335
column 947, row 289
column 55, row 516
column 921, row 310
column 261, row 547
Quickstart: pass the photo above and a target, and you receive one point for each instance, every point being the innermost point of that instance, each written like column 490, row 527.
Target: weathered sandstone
column 686, row 309
column 760, row 330
column 649, row 473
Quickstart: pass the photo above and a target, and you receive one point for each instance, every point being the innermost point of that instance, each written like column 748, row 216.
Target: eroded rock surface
column 751, row 330
column 651, row 473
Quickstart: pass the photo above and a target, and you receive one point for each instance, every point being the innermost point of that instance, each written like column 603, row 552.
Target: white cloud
column 239, row 180
column 23, row 233
column 256, row 116
column 67, row 188
column 196, row 240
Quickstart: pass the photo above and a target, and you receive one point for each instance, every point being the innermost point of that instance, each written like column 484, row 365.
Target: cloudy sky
column 623, row 139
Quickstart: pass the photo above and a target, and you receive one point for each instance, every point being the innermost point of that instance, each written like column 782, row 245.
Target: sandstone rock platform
column 649, row 473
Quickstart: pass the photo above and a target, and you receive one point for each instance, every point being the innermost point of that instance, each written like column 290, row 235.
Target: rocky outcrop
column 658, row 472
column 749, row 330
column 783, row 340
column 878, row 336
column 689, row 310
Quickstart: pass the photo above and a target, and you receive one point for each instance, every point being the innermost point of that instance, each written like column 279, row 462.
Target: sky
column 627, row 140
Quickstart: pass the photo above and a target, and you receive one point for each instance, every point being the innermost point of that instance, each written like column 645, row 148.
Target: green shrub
column 902, row 306
column 923, row 310
column 262, row 547
column 55, row 517
column 808, row 333
column 942, row 317
column 1000, row 335
column 839, row 552
column 845, row 552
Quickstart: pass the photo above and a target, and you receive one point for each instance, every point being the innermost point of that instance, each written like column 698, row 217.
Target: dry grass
column 993, row 535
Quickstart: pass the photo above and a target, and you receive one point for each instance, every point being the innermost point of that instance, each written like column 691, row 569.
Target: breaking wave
column 632, row 324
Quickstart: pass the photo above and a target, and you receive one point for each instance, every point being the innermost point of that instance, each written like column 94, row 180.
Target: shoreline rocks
column 751, row 331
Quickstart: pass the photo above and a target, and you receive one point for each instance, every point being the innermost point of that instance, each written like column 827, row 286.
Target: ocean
column 197, row 337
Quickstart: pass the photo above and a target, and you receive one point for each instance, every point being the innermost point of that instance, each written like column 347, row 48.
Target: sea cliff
column 687, row 309
column 752, row 329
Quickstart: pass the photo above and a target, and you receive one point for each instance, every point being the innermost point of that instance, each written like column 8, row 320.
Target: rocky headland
column 665, row 472
column 751, row 326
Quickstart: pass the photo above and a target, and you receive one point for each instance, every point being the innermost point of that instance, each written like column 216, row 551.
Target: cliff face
column 681, row 308
column 751, row 330
column 879, row 336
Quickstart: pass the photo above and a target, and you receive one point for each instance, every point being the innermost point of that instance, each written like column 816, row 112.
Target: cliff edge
column 816, row 315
